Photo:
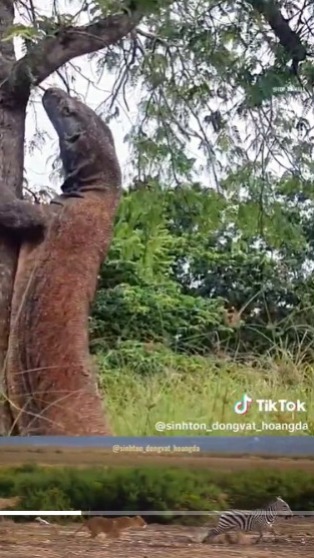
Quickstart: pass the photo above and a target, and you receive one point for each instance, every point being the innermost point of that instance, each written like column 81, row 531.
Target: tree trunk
column 12, row 130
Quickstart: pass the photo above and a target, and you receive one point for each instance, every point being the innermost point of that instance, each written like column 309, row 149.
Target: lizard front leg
column 22, row 219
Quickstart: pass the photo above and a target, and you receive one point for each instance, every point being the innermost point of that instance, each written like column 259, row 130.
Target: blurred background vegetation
column 163, row 489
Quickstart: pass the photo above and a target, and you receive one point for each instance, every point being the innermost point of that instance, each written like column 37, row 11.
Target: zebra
column 257, row 520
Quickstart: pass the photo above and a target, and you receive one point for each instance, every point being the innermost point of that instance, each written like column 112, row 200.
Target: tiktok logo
column 241, row 407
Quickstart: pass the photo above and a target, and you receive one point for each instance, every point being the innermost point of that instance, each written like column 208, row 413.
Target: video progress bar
column 138, row 512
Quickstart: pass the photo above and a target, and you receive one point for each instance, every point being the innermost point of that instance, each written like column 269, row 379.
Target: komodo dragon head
column 86, row 144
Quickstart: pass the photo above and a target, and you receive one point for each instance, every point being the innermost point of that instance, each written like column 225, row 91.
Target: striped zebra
column 257, row 520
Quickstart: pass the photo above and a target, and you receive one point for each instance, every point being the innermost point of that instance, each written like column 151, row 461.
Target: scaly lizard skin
column 50, row 380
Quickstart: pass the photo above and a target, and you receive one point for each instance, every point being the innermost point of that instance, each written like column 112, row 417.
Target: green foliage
column 150, row 313
column 139, row 298
column 215, row 58
column 158, row 489
column 182, row 258
column 19, row 30
column 218, row 93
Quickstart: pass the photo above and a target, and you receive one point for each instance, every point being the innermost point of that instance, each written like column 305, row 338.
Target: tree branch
column 153, row 37
column 48, row 55
column 7, row 56
column 288, row 38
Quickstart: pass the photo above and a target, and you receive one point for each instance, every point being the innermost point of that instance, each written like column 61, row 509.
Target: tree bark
column 289, row 39
column 12, row 130
column 12, row 125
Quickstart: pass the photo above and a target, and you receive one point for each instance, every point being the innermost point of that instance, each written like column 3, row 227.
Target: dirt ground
column 295, row 539
column 94, row 457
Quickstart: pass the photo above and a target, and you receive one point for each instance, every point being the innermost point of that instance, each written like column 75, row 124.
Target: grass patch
column 146, row 384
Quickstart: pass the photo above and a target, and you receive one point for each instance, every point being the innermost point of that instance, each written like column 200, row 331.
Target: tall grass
column 146, row 384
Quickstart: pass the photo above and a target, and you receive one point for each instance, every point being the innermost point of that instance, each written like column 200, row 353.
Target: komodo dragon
column 51, row 384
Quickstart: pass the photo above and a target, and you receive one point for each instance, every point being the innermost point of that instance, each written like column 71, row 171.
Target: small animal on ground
column 45, row 522
column 111, row 527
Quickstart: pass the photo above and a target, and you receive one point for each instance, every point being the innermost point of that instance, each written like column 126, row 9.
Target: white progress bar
column 39, row 512
column 139, row 512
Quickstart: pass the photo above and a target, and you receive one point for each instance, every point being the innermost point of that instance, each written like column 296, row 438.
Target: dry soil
column 31, row 540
